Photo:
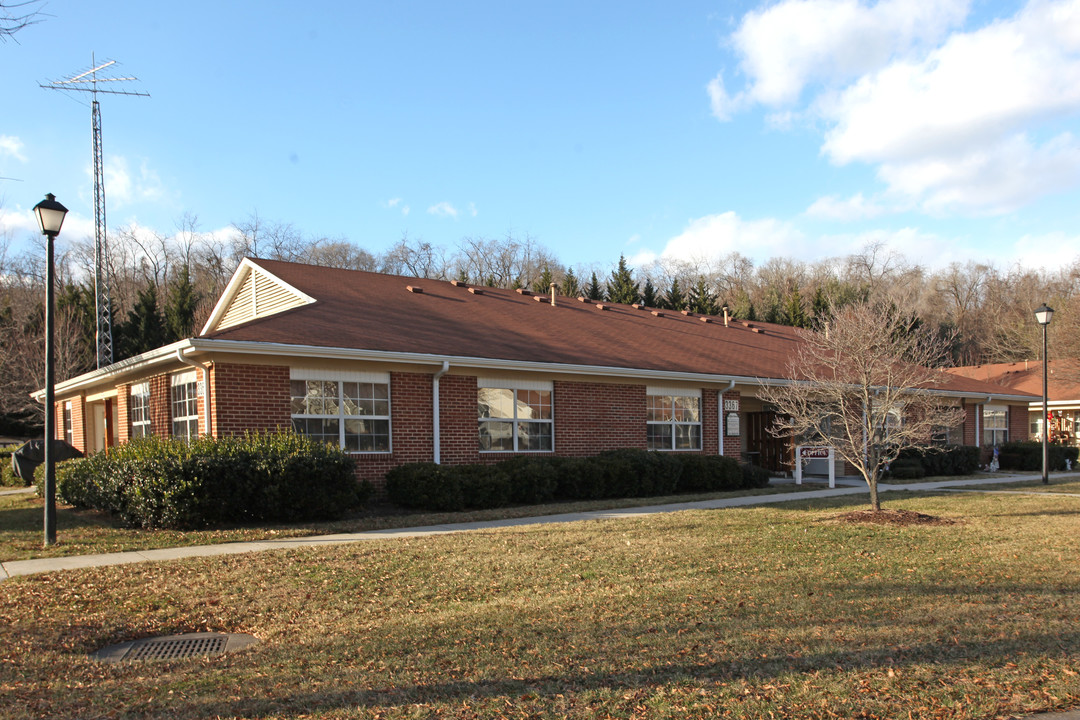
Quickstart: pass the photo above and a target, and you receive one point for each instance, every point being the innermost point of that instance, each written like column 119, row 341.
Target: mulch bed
column 892, row 517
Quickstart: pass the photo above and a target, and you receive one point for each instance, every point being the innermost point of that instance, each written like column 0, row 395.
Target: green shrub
column 949, row 460
column 7, row 475
column 530, row 479
column 754, row 476
column 161, row 482
column 1027, row 455
column 906, row 469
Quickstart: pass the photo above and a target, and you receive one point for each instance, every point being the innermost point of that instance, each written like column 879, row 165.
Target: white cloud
column 787, row 46
column 473, row 212
column 855, row 207
column 714, row 236
column 956, row 121
column 21, row 222
column 397, row 203
column 443, row 209
column 125, row 187
column 12, row 146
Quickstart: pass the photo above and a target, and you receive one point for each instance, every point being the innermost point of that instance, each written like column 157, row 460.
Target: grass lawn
column 770, row 611
column 84, row 532
column 1056, row 485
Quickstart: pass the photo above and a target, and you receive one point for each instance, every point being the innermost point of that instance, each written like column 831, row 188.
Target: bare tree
column 15, row 16
column 415, row 258
column 866, row 388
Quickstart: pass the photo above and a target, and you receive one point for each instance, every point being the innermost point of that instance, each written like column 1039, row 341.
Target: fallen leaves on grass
column 892, row 517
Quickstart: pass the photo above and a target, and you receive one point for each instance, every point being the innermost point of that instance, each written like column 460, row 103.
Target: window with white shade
column 995, row 424
column 350, row 410
column 515, row 417
column 673, row 419
column 185, row 405
column 139, row 407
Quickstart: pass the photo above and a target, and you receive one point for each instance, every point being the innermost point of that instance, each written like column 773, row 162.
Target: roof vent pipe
column 552, row 286
column 725, row 316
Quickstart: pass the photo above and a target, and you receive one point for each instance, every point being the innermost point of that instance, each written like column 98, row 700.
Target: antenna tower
column 88, row 82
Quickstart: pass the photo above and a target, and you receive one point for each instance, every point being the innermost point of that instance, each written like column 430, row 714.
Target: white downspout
column 435, row 424
column 720, row 410
column 206, row 383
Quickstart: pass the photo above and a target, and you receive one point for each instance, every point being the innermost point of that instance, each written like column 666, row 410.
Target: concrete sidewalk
column 844, row 486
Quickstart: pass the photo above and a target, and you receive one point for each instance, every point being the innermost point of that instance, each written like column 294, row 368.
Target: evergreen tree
column 674, row 298
column 773, row 312
column 648, row 296
column 143, row 330
column 743, row 307
column 593, row 290
column 180, row 310
column 570, row 285
column 543, row 283
column 701, row 299
column 622, row 288
column 819, row 305
column 794, row 315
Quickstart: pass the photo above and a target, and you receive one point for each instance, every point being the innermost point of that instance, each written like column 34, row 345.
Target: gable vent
column 258, row 295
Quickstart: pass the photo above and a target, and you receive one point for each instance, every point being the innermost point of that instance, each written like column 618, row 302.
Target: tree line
column 164, row 286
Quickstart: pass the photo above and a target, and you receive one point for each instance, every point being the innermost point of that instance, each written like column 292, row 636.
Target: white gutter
column 720, row 402
column 436, row 428
column 247, row 347
column 206, row 383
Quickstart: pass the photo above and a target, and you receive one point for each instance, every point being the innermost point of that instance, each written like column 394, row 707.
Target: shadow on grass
column 548, row 689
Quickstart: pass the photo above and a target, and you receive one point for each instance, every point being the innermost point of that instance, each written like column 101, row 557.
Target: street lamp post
column 50, row 215
column 1043, row 315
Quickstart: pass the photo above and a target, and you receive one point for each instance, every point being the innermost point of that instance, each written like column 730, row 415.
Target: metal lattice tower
column 88, row 82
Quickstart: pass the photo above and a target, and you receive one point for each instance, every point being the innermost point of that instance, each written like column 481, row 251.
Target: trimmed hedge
column 1028, row 456
column 165, row 483
column 939, row 461
column 7, row 475
column 528, row 480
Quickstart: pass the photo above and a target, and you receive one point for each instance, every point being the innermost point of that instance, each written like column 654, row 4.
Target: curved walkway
column 845, row 486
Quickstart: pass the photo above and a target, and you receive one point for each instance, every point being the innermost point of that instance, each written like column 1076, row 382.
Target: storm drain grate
column 174, row 647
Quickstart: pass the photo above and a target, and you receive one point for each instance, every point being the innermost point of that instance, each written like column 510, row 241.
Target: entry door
column 98, row 431
column 762, row 448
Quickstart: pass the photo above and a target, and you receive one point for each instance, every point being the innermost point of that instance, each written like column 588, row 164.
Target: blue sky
column 947, row 130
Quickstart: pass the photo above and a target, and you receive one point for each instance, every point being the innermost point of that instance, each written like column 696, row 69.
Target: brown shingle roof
column 372, row 311
column 1026, row 377
column 376, row 312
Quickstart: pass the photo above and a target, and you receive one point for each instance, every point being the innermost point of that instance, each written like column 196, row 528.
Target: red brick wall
column 78, row 423
column 1018, row 423
column 593, row 417
column 732, row 445
column 160, row 406
column 457, row 414
column 247, row 397
column 410, row 426
column 710, row 419
column 123, row 413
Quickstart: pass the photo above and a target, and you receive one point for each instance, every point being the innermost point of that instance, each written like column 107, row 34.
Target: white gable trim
column 248, row 268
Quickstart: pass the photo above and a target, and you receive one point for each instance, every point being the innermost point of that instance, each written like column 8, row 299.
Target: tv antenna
column 88, row 82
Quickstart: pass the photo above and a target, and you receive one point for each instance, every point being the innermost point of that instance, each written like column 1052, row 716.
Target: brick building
column 399, row 370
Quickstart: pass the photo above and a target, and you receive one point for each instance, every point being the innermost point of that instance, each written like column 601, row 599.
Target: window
column 674, row 419
column 995, row 424
column 515, row 419
column 139, row 405
column 185, row 406
column 354, row 415
column 69, row 430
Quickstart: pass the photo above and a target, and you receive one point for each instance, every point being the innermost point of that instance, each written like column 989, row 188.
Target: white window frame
column 343, row 380
column 516, row 420
column 184, row 410
column 991, row 435
column 673, row 424
column 69, row 425
column 139, row 409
